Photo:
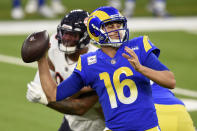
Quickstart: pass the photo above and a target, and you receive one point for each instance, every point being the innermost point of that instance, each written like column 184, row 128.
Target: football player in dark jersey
column 71, row 40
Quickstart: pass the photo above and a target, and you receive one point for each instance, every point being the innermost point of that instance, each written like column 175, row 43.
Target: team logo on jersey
column 92, row 60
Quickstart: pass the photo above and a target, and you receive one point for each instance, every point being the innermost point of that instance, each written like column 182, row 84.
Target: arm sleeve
column 153, row 62
column 69, row 86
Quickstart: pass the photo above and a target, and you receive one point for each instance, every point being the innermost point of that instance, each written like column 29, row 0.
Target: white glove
column 35, row 93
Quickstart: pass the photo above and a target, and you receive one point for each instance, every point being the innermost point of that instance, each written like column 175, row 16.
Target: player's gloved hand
column 36, row 94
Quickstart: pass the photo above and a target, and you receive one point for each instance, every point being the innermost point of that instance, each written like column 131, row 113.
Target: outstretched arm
column 164, row 78
column 48, row 84
column 76, row 106
column 65, row 89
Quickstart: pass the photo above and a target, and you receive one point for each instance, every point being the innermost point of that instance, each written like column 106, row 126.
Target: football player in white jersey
column 67, row 44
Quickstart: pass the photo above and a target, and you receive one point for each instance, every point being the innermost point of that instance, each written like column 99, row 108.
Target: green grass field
column 178, row 52
column 175, row 7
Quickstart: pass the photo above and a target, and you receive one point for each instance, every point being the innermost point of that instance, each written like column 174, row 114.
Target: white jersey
column 63, row 69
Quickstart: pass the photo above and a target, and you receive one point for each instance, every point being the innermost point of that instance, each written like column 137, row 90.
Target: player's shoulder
column 86, row 60
column 138, row 40
column 89, row 54
column 142, row 42
column 89, row 58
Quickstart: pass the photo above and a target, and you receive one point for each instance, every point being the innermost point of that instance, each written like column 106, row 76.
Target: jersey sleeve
column 153, row 62
column 146, row 48
column 68, row 87
column 80, row 69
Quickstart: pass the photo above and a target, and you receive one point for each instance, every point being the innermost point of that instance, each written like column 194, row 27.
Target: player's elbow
column 82, row 108
column 172, row 84
column 170, row 80
column 81, row 112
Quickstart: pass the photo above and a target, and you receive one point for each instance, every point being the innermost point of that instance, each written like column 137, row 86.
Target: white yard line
column 193, row 32
column 134, row 24
column 190, row 104
column 26, row 27
column 16, row 61
column 161, row 24
column 185, row 92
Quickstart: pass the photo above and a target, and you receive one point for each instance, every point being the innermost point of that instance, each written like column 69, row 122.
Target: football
column 35, row 46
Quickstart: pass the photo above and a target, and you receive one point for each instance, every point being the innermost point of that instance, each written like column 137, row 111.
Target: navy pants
column 64, row 126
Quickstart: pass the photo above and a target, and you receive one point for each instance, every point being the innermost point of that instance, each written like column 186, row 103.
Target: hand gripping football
column 35, row 46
